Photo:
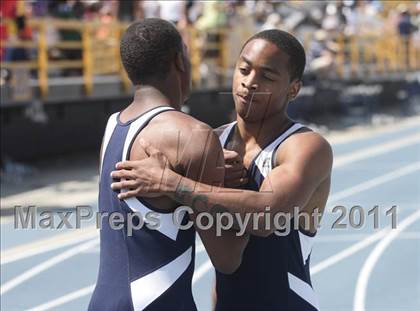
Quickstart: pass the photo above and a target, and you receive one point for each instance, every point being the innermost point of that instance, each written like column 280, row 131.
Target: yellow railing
column 99, row 47
column 99, row 55
column 361, row 55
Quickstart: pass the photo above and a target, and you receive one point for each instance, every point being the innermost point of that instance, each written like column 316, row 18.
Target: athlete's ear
column 180, row 62
column 294, row 89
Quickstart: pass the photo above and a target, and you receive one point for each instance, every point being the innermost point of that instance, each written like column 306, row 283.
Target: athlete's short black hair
column 289, row 45
column 148, row 47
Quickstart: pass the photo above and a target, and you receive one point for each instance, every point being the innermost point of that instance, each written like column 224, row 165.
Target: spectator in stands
column 321, row 54
column 273, row 22
column 334, row 20
column 24, row 33
column 213, row 16
column 174, row 11
column 405, row 29
column 7, row 14
column 241, row 18
column 128, row 10
column 363, row 18
column 70, row 9
column 405, row 26
column 40, row 8
column 265, row 13
column 416, row 22
column 149, row 9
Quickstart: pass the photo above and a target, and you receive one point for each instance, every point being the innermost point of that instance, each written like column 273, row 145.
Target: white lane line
column 198, row 274
column 204, row 268
column 375, row 236
column 45, row 245
column 376, row 150
column 359, row 236
column 339, row 161
column 38, row 247
column 364, row 133
column 6, row 220
column 89, row 289
column 77, row 192
column 374, row 182
column 64, row 299
column 349, row 251
column 46, row 265
column 59, row 241
column 374, row 256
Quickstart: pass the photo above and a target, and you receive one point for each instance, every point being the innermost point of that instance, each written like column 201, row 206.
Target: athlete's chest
column 249, row 153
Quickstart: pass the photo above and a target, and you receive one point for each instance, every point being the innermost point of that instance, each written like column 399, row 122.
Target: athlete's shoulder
column 178, row 120
column 309, row 146
column 175, row 129
column 186, row 139
column 308, row 137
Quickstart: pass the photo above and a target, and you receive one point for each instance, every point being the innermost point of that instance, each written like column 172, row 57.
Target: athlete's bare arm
column 194, row 151
column 301, row 178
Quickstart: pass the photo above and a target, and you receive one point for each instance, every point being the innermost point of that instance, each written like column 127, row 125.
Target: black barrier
column 32, row 130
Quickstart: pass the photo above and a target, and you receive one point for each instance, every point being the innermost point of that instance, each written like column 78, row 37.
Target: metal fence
column 356, row 56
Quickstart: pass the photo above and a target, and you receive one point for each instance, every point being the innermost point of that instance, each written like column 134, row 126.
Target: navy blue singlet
column 274, row 274
column 153, row 268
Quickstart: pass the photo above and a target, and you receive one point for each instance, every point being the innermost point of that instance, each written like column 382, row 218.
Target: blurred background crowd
column 363, row 62
column 341, row 37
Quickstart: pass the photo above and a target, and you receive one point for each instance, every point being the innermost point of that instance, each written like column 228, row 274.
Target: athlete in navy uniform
column 287, row 165
column 152, row 268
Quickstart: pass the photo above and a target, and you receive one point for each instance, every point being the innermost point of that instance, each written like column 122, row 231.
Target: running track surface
column 352, row 269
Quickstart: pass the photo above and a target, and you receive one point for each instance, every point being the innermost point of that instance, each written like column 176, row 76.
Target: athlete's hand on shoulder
column 150, row 177
column 235, row 171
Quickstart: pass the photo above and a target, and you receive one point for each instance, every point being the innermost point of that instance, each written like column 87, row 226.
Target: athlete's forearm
column 224, row 248
column 224, row 245
column 244, row 204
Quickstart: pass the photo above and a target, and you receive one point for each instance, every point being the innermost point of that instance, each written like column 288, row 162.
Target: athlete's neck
column 152, row 95
column 264, row 131
column 147, row 97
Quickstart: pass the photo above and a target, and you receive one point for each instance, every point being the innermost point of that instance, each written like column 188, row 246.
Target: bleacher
column 370, row 57
column 73, row 81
